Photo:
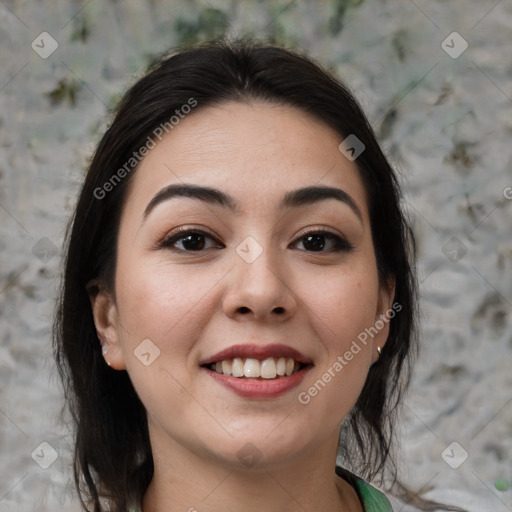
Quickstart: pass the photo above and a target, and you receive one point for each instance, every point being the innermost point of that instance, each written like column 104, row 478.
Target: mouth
column 251, row 368
column 258, row 372
column 257, row 362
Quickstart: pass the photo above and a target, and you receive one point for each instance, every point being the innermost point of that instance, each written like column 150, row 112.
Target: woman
column 237, row 290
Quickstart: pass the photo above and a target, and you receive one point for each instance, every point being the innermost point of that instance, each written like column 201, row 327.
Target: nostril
column 244, row 310
column 279, row 310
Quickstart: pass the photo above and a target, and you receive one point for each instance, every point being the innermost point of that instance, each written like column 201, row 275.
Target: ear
column 383, row 316
column 104, row 311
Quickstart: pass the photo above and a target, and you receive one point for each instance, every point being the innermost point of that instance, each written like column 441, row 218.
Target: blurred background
column 435, row 80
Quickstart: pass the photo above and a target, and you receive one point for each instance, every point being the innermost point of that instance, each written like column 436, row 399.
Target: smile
column 251, row 368
column 258, row 371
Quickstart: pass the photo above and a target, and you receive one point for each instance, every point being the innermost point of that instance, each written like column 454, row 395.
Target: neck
column 186, row 481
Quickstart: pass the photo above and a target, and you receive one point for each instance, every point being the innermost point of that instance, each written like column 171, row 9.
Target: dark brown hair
column 112, row 457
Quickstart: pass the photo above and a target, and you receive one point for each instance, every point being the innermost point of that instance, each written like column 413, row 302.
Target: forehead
column 254, row 151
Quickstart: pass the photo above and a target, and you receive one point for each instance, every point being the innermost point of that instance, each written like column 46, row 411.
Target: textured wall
column 443, row 114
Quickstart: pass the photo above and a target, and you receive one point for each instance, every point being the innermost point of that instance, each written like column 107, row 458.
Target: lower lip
column 260, row 388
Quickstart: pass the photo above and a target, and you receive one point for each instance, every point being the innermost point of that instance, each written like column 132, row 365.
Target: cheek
column 165, row 306
column 160, row 303
column 147, row 275
column 345, row 303
column 343, row 308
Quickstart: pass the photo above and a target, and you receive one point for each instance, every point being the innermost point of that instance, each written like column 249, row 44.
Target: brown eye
column 189, row 241
column 317, row 241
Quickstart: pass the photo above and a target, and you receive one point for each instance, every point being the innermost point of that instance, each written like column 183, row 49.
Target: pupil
column 193, row 242
column 316, row 242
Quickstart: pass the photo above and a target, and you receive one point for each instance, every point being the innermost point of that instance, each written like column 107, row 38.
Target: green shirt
column 373, row 500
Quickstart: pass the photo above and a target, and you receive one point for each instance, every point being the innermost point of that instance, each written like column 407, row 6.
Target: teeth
column 251, row 368
column 226, row 367
column 237, row 367
column 281, row 366
column 290, row 363
column 269, row 368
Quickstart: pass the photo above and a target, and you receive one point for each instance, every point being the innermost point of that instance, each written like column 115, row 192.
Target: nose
column 259, row 290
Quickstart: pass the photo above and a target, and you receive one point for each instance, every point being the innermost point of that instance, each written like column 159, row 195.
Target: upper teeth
column 267, row 369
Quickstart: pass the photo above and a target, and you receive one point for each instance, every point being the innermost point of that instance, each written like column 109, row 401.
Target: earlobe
column 383, row 317
column 106, row 321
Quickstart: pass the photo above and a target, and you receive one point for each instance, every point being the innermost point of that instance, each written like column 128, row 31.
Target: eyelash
column 340, row 244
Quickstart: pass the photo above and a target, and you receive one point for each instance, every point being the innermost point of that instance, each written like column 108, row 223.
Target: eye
column 317, row 241
column 189, row 240
column 196, row 240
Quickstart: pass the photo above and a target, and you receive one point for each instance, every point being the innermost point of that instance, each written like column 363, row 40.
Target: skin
column 193, row 304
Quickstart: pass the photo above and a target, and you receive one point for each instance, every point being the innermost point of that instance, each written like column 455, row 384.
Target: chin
column 262, row 448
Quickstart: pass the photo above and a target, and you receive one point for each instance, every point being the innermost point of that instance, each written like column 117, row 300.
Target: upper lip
column 257, row 352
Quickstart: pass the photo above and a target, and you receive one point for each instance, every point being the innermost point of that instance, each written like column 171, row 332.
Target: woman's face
column 264, row 272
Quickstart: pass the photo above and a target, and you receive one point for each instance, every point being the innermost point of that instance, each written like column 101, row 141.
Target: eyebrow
column 292, row 199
